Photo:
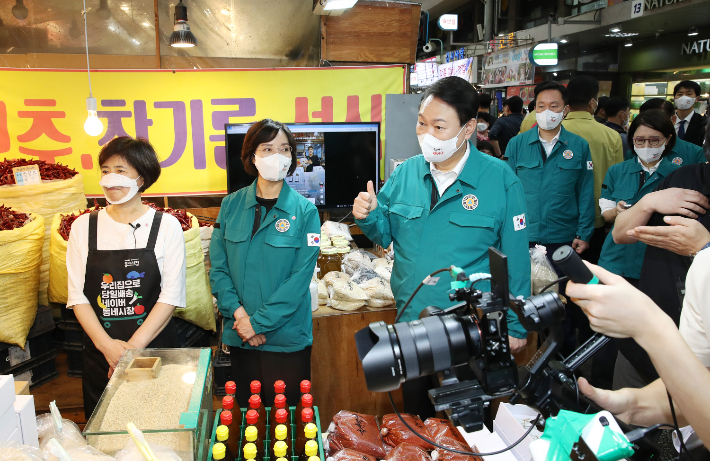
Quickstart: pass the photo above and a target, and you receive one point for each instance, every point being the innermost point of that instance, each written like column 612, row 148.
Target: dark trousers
column 268, row 367
column 596, row 243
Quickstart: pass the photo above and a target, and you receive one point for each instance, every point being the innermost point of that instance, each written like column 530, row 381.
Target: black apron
column 122, row 287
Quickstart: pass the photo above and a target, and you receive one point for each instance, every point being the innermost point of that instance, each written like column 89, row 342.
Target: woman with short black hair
column 263, row 253
column 651, row 137
column 126, row 267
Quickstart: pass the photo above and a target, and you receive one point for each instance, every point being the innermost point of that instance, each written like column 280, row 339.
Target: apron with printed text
column 122, row 287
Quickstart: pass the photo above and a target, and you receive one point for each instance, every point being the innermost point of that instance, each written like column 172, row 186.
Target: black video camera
column 467, row 344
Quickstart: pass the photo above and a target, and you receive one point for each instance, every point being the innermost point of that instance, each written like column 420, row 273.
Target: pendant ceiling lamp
column 93, row 125
column 181, row 36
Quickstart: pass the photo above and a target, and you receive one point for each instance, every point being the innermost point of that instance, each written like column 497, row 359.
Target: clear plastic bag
column 76, row 453
column 346, row 296
column 379, row 262
column 13, row 451
column 131, row 452
column 363, row 275
column 68, row 436
column 350, row 455
column 445, row 455
column 358, row 432
column 385, row 272
column 322, row 293
column 331, row 277
column 394, row 432
column 408, row 452
column 541, row 271
column 443, row 428
column 379, row 292
column 357, row 260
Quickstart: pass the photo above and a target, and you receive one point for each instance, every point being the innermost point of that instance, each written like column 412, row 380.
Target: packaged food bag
column 446, row 455
column 346, row 296
column 394, row 432
column 347, row 454
column 357, row 432
column 357, row 260
column 443, row 428
column 379, row 292
column 331, row 277
column 541, row 271
column 408, row 452
column 322, row 293
column 20, row 265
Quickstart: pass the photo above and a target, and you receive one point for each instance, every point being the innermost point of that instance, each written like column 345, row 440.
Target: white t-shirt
column 444, row 180
column 111, row 235
column 696, row 308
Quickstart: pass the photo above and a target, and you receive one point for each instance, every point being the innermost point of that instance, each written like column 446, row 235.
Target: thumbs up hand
column 365, row 202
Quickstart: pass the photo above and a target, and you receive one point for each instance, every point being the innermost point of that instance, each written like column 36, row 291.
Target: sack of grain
column 385, row 272
column 322, row 293
column 331, row 277
column 357, row 260
column 378, row 291
column 346, row 296
column 541, row 271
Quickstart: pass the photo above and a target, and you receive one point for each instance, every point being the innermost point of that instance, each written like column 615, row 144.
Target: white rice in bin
column 150, row 404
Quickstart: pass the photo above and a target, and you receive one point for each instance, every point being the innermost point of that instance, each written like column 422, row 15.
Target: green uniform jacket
column 559, row 191
column 482, row 209
column 683, row 153
column 269, row 274
column 622, row 183
column 605, row 145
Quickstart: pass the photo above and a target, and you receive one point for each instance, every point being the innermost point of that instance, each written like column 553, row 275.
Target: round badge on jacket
column 567, row 154
column 470, row 202
column 282, row 225
column 678, row 161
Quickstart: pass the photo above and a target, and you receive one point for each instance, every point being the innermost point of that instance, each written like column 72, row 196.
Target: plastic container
column 328, row 261
column 267, row 441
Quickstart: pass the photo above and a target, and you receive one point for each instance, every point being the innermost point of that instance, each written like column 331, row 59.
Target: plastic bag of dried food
column 379, row 262
column 378, row 291
column 408, row 452
column 394, row 432
column 346, row 296
column 385, row 272
column 322, row 293
column 132, row 453
column 445, row 455
column 68, row 435
column 13, row 451
column 541, row 271
column 52, row 452
column 350, row 455
column 357, row 432
column 443, row 428
column 356, row 260
column 361, row 276
column 331, row 277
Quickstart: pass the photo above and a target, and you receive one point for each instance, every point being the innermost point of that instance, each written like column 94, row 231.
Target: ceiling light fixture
column 622, row 34
column 563, row 40
column 693, row 31
column 20, row 10
column 629, row 43
column 339, row 4
column 615, row 29
column 181, row 36
column 93, row 125
column 554, row 74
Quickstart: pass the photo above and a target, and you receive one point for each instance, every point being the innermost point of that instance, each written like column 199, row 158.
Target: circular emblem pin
column 567, row 154
column 678, row 161
column 470, row 202
column 282, row 225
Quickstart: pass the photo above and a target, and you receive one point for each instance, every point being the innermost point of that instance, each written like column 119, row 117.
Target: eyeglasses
column 653, row 142
column 267, row 151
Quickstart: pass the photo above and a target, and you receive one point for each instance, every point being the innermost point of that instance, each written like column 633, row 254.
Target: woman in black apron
column 122, row 300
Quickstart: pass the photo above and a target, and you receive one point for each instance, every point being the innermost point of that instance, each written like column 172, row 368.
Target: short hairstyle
column 481, row 145
column 658, row 104
column 544, row 86
column 484, row 100
column 138, row 152
column 309, row 147
column 657, row 120
column 457, row 93
column 515, row 104
column 531, row 106
column 689, row 85
column 601, row 104
column 259, row 133
column 487, row 117
column 615, row 105
column 582, row 89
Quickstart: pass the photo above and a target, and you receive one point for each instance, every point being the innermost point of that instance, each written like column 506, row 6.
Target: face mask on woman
column 481, row 127
column 650, row 154
column 435, row 150
column 274, row 167
column 119, row 180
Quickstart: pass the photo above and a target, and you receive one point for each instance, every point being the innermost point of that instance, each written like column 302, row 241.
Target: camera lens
column 393, row 354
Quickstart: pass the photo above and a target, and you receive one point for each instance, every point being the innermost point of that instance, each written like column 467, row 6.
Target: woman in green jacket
column 263, row 253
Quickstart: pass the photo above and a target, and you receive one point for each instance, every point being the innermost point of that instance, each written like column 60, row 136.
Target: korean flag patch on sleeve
column 590, row 165
column 519, row 222
column 313, row 240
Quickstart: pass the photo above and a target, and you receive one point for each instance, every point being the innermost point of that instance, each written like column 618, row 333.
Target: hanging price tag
column 27, row 175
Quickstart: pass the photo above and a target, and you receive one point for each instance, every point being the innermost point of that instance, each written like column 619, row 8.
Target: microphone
column 135, row 227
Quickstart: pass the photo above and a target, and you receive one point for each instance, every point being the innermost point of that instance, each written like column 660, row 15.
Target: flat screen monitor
column 335, row 161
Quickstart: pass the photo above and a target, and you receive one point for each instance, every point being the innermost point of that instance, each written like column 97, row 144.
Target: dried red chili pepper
column 47, row 171
column 181, row 215
column 68, row 220
column 10, row 219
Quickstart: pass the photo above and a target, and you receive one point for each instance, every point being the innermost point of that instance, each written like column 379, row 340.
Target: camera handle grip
column 571, row 264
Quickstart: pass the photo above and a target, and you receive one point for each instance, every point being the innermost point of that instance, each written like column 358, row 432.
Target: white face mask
column 626, row 122
column 435, row 150
column 650, row 154
column 274, row 167
column 119, row 180
column 482, row 126
column 684, row 102
column 549, row 120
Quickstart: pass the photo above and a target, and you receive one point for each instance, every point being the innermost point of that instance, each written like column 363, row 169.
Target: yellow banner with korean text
column 181, row 112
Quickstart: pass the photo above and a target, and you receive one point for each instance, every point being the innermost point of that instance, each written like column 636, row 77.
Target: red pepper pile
column 68, row 220
column 47, row 171
column 10, row 219
column 181, row 215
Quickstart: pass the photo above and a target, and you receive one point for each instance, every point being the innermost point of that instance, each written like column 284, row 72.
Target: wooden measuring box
column 142, row 368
